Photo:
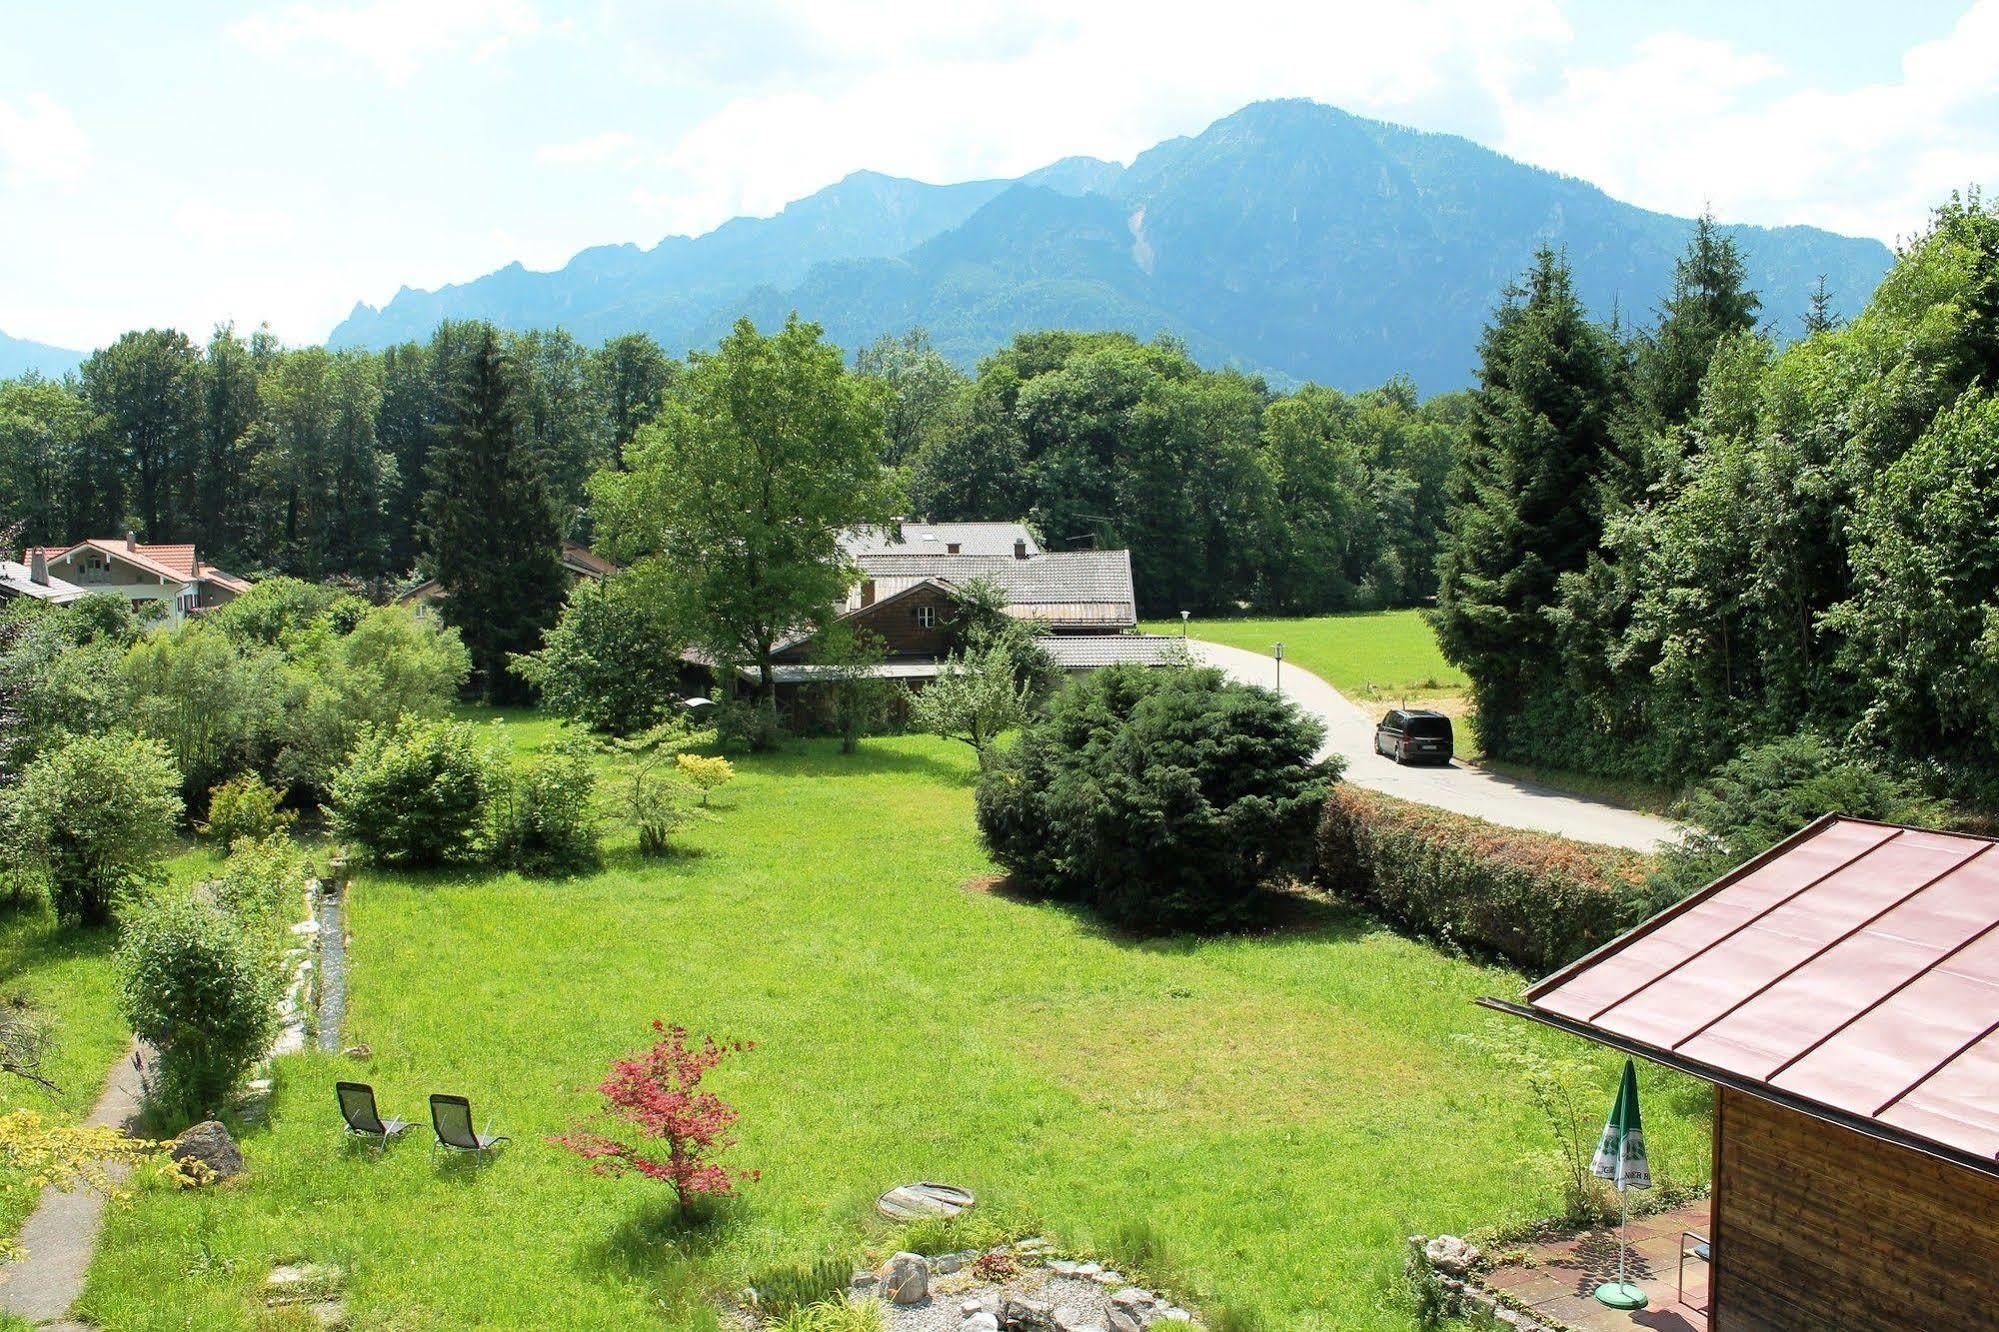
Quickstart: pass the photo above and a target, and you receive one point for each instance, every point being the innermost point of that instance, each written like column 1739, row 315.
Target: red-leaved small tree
column 658, row 1091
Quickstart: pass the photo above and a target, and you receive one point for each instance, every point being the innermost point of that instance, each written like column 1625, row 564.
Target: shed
column 1841, row 994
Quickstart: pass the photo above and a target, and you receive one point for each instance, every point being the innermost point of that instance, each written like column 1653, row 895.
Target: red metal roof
column 1853, row 968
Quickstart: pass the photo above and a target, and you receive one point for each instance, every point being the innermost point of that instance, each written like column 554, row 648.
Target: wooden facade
column 1818, row 1228
column 915, row 623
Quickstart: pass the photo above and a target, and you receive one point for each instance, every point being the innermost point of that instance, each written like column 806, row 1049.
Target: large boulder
column 905, row 1278
column 209, row 1144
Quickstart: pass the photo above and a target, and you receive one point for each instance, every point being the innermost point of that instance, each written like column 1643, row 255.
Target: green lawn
column 1276, row 1112
column 1366, row 654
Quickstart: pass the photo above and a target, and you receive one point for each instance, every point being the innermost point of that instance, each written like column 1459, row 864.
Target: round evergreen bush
column 1164, row 799
column 413, row 794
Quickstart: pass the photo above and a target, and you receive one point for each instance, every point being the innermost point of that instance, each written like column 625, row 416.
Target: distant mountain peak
column 1289, row 237
column 20, row 356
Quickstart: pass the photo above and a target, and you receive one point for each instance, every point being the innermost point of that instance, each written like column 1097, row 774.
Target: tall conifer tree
column 1525, row 507
column 490, row 530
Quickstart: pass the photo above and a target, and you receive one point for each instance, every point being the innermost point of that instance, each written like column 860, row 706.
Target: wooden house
column 1841, row 994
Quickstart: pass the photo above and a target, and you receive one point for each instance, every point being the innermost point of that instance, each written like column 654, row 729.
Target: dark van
column 1412, row 737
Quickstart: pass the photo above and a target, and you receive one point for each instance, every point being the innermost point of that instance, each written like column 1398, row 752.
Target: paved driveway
column 1462, row 787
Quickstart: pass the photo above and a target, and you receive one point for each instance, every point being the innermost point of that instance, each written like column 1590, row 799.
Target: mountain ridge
column 1289, row 238
column 19, row 356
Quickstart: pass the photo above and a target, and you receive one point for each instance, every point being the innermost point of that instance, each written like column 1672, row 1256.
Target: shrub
column 94, row 817
column 1765, row 794
column 748, row 724
column 974, row 698
column 200, row 989
column 704, row 772
column 857, row 702
column 653, row 783
column 783, row 1290
column 274, row 610
column 612, row 662
column 1534, row 898
column 216, row 707
column 838, row 1314
column 413, row 794
column 246, row 806
column 657, row 1092
column 1165, row 799
column 262, row 884
column 542, row 817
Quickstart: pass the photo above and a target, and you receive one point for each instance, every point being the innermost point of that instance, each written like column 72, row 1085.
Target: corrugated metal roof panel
column 1856, row 967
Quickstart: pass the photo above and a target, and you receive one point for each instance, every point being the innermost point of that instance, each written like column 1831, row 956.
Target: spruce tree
column 1710, row 300
column 1525, row 502
column 490, row 531
column 1820, row 316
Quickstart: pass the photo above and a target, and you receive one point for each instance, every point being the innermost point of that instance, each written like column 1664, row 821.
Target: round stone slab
column 912, row 1201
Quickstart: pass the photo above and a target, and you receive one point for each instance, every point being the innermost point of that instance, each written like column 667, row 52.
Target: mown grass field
column 1365, row 654
column 1272, row 1113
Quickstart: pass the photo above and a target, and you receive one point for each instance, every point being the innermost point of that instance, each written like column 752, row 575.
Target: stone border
column 1455, row 1264
column 905, row 1280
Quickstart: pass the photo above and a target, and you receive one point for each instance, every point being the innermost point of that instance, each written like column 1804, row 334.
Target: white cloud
column 40, row 143
column 596, row 148
column 397, row 37
column 1686, row 122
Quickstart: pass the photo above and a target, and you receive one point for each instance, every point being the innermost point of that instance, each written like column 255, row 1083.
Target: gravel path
column 1461, row 787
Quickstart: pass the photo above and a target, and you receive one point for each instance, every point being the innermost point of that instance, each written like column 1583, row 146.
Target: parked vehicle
column 1411, row 737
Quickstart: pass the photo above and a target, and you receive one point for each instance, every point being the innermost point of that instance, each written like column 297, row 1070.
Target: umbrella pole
column 1623, row 1236
column 1621, row 1294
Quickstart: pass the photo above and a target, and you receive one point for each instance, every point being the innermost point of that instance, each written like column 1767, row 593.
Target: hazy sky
column 199, row 161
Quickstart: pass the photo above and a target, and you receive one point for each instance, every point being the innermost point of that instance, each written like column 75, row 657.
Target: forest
column 1667, row 552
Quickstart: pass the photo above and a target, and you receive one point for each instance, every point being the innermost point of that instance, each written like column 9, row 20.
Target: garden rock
column 1124, row 1320
column 1451, row 1255
column 982, row 1322
column 906, row 1278
column 1021, row 1314
column 210, row 1144
column 1067, row 1319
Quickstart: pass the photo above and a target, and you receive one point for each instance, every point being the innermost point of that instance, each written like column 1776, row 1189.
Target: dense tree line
column 319, row 463
column 1665, row 550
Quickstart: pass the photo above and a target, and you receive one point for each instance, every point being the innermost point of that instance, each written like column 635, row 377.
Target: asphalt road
column 1462, row 787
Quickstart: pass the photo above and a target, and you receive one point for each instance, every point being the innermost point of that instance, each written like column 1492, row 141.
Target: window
column 926, row 617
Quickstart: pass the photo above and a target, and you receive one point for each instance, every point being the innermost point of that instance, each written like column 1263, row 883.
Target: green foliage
column 856, row 700
column 262, row 885
column 835, row 1315
column 655, row 785
column 200, row 988
column 274, row 611
column 490, row 530
column 541, row 815
column 392, row 662
column 413, row 793
column 1522, row 509
column 245, row 806
column 974, row 698
column 1538, row 900
column 94, row 816
column 761, row 455
column 783, row 1290
column 612, row 662
column 1164, row 799
column 1764, row 794
column 217, row 708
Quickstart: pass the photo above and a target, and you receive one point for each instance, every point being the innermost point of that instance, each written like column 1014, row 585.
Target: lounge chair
column 451, row 1116
column 357, row 1107
column 1701, row 1248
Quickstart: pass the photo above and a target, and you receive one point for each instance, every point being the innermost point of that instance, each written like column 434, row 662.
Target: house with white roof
column 31, row 581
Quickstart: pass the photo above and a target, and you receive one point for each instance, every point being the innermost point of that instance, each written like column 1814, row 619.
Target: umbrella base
column 1621, row 1295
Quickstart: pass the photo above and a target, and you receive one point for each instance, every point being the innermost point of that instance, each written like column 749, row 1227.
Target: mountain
column 1290, row 238
column 18, row 356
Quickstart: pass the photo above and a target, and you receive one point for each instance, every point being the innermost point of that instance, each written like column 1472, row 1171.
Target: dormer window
column 926, row 617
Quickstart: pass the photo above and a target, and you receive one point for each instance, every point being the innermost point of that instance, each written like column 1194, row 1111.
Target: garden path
column 61, row 1233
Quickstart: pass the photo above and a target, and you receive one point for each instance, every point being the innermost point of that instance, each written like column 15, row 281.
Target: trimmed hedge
column 1533, row 898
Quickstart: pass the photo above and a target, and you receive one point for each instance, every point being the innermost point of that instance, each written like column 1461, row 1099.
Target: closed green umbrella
column 1620, row 1158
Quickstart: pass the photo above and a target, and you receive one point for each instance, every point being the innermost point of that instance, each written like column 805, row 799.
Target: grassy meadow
column 1388, row 655
column 1254, row 1121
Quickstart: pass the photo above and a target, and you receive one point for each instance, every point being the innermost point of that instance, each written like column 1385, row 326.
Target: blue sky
column 189, row 163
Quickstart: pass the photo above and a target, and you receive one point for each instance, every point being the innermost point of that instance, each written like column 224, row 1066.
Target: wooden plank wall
column 1821, row 1229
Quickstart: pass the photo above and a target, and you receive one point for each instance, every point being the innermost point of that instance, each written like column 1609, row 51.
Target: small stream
column 331, row 913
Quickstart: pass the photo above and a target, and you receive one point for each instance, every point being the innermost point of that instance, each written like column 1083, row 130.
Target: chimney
column 1020, row 548
column 131, row 540
column 867, row 592
column 38, row 567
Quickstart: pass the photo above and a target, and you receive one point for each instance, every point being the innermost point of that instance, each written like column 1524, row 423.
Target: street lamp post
column 1278, row 652
column 1183, row 625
